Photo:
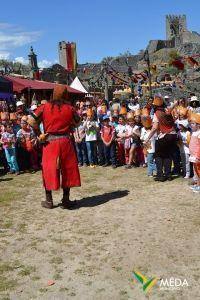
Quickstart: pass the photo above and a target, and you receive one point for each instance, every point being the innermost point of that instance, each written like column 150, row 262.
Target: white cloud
column 4, row 55
column 45, row 64
column 21, row 60
column 12, row 37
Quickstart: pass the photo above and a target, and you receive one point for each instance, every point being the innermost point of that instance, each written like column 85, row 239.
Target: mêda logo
column 169, row 284
column 172, row 283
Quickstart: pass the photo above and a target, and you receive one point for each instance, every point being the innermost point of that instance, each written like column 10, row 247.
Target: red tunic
column 59, row 155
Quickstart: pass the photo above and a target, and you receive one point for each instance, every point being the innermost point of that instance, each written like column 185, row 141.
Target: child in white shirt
column 149, row 149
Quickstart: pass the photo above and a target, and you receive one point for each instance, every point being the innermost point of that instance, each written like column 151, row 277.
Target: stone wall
column 190, row 37
column 156, row 45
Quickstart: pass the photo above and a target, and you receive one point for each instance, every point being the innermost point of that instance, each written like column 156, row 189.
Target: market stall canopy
column 20, row 84
column 76, row 84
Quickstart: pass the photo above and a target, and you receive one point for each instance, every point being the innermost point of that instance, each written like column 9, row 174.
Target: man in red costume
column 59, row 156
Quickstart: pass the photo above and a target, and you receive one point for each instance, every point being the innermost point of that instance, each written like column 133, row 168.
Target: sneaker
column 196, row 189
column 105, row 165
column 114, row 166
column 160, row 179
column 80, row 165
column 92, row 166
column 192, row 187
column 128, row 167
column 187, row 177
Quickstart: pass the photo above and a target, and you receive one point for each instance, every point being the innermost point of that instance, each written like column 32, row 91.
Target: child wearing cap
column 194, row 147
column 108, row 138
column 184, row 138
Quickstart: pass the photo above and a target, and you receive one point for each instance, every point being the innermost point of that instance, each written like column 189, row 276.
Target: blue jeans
column 10, row 154
column 82, row 153
column 151, row 165
column 110, row 153
column 92, row 152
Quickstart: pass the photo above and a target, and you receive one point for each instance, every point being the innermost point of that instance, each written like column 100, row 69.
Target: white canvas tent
column 77, row 85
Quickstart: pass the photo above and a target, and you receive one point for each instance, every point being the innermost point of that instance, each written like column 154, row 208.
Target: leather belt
column 52, row 137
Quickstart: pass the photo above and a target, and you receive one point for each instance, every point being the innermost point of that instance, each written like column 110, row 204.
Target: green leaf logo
column 147, row 283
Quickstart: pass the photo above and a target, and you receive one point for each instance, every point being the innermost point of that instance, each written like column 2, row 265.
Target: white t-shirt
column 144, row 136
column 91, row 128
column 184, row 147
column 120, row 129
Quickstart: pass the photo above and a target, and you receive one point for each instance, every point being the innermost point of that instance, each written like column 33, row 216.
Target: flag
column 192, row 61
column 178, row 64
column 71, row 57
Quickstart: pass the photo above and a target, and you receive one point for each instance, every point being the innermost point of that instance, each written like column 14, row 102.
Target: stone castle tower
column 62, row 50
column 177, row 35
column 175, row 26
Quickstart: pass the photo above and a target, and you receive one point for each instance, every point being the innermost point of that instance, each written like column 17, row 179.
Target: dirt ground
column 125, row 222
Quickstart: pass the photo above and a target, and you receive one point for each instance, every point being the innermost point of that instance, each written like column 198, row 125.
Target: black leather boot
column 48, row 203
column 66, row 203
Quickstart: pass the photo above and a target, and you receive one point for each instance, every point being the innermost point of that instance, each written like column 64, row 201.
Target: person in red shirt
column 59, row 156
column 108, row 138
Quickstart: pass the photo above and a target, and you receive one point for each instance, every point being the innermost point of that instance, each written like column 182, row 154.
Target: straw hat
column 130, row 115
column 4, row 116
column 146, row 121
column 158, row 101
column 183, row 111
column 195, row 118
column 13, row 116
column 137, row 112
column 123, row 111
column 145, row 112
column 60, row 92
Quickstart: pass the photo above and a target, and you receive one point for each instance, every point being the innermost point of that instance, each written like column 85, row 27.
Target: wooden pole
column 147, row 59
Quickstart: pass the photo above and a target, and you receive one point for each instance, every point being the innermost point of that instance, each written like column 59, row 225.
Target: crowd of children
column 19, row 147
column 163, row 136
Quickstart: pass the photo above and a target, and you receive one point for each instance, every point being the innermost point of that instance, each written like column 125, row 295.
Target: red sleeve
column 39, row 111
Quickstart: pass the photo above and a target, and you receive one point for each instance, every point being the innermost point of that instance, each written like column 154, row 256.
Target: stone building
column 177, row 34
column 62, row 51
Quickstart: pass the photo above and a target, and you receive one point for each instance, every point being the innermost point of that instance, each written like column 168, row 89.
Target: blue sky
column 100, row 28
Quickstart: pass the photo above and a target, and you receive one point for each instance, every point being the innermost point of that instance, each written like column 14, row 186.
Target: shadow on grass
column 6, row 179
column 101, row 199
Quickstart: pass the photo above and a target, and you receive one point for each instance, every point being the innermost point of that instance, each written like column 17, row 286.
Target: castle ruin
column 177, row 34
